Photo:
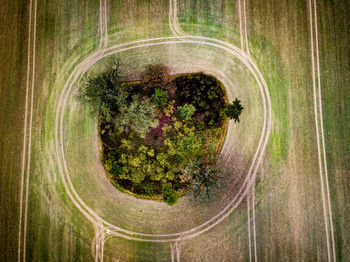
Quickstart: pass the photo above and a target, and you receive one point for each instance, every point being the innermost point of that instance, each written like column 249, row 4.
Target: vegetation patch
column 160, row 136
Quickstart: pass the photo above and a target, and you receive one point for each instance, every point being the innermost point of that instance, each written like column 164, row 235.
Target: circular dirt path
column 112, row 229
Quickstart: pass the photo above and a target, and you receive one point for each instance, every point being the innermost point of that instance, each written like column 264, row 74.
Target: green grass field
column 295, row 210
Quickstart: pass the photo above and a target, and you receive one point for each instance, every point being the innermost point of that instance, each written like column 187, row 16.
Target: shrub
column 186, row 112
column 116, row 170
column 169, row 110
column 191, row 144
column 109, row 164
column 169, row 195
column 234, row 110
column 149, row 189
column 160, row 97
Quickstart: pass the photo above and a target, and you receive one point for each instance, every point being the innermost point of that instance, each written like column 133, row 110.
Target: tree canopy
column 169, row 195
column 234, row 110
column 160, row 97
column 205, row 180
column 105, row 92
column 157, row 132
column 158, row 76
column 138, row 116
column 206, row 94
column 186, row 111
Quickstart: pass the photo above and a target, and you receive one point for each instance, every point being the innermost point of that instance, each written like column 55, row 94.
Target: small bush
column 191, row 144
column 159, row 97
column 205, row 181
column 149, row 189
column 234, row 110
column 169, row 195
column 116, row 170
column 186, row 112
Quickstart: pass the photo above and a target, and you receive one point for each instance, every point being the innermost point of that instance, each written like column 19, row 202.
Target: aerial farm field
column 286, row 190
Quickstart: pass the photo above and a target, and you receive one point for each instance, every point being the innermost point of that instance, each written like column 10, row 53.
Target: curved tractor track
column 114, row 230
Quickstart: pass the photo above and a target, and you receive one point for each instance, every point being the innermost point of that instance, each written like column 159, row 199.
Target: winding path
column 103, row 227
column 103, row 25
column 115, row 230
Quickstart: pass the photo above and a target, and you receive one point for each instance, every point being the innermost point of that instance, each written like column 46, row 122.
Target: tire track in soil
column 91, row 215
column 316, row 82
column 250, row 198
column 25, row 173
column 181, row 236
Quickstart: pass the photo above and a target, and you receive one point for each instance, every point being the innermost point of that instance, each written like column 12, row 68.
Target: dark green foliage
column 116, row 170
column 138, row 116
column 160, row 97
column 149, row 189
column 169, row 195
column 206, row 94
column 186, row 111
column 234, row 110
column 105, row 92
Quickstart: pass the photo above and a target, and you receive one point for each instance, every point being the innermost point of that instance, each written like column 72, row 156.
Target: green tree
column 105, row 92
column 138, row 116
column 160, row 97
column 137, row 176
column 169, row 195
column 186, row 111
column 234, row 110
column 205, row 179
column 116, row 170
column 191, row 144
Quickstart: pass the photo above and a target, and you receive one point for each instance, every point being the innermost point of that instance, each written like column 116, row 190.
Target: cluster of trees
column 206, row 94
column 154, row 132
column 156, row 166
